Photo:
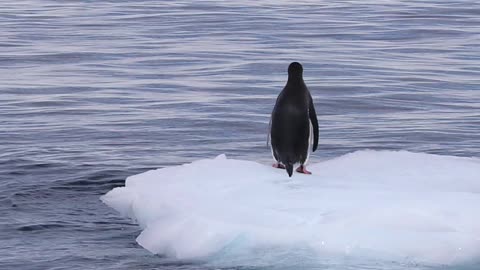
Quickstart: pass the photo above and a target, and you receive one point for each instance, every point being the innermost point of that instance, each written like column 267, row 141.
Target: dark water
column 92, row 92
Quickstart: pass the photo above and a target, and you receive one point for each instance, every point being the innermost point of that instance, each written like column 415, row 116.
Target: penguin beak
column 289, row 168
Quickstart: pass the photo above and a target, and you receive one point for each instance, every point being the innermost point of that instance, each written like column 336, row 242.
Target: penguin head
column 295, row 70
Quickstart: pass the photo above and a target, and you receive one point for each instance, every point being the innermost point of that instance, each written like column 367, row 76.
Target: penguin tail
column 289, row 168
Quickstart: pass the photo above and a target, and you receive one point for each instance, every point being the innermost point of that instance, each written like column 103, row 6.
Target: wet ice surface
column 379, row 205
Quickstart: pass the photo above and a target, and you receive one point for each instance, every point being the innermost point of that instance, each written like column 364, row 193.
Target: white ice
column 381, row 205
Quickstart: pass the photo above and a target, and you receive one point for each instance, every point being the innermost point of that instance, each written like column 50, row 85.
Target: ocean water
column 92, row 92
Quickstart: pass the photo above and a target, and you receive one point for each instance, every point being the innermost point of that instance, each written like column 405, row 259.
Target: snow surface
column 381, row 205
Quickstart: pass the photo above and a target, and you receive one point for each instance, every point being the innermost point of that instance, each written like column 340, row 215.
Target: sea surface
column 94, row 91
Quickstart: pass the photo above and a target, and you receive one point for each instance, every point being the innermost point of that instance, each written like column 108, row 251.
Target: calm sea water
column 94, row 91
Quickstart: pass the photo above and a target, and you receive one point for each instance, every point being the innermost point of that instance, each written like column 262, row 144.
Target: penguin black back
column 293, row 122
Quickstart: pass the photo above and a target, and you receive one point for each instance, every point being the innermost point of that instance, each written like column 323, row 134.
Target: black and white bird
column 293, row 124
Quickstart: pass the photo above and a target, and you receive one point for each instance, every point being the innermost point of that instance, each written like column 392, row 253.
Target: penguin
column 293, row 124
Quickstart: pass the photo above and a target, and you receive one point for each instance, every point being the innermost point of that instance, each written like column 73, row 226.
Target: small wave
column 41, row 227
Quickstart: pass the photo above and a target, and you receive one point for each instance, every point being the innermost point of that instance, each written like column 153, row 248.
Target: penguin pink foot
column 278, row 166
column 303, row 169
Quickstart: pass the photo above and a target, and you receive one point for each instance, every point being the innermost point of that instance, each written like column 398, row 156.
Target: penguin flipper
column 313, row 119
